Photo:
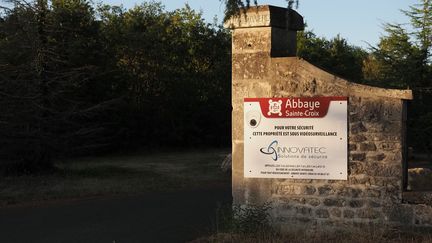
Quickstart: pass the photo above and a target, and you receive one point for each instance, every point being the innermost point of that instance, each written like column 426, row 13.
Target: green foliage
column 421, row 20
column 334, row 55
column 402, row 60
column 395, row 62
column 51, row 59
column 177, row 71
column 421, row 132
column 77, row 80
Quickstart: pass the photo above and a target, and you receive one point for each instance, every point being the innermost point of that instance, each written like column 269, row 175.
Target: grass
column 251, row 224
column 355, row 236
column 116, row 175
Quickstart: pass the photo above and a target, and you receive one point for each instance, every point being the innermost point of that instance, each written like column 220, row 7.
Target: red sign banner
column 295, row 107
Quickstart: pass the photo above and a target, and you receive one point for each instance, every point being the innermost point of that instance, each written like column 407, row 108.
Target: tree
column 396, row 62
column 24, row 86
column 401, row 60
column 420, row 123
column 421, row 21
column 334, row 55
column 48, row 55
column 80, row 80
column 176, row 66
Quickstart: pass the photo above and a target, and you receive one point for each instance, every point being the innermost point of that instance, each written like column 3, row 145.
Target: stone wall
column 373, row 191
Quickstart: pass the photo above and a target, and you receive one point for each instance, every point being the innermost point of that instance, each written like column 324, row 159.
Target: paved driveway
column 153, row 217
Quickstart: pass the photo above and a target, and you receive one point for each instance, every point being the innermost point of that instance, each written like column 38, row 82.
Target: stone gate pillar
column 371, row 190
column 257, row 36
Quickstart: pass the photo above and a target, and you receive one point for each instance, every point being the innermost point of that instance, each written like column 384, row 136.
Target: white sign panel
column 298, row 138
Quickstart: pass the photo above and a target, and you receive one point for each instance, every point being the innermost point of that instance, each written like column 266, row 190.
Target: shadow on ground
column 161, row 197
column 177, row 216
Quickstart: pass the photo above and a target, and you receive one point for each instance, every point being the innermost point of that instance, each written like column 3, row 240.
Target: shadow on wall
column 419, row 172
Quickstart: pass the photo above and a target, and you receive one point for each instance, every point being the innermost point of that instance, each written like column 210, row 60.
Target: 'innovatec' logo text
column 275, row 151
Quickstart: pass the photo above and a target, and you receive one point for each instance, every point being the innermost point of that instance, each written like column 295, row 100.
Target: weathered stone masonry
column 263, row 65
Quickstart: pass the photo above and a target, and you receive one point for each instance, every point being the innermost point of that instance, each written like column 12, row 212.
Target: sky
column 358, row 21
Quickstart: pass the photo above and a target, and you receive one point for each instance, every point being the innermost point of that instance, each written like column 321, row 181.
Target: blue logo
column 271, row 150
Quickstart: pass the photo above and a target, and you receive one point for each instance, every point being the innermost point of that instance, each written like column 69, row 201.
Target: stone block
column 349, row 214
column 350, row 192
column 369, row 213
column 381, row 137
column 297, row 200
column 375, row 157
column 334, row 202
column 357, row 168
column 326, row 190
column 296, row 181
column 423, row 214
column 250, row 66
column 358, row 138
column 418, row 197
column 393, row 127
column 354, row 156
column 352, row 147
column 356, row 203
column 357, row 127
column 309, row 190
column 238, row 159
column 353, row 116
column 286, row 86
column 289, row 189
column 368, row 146
column 237, row 130
column 393, row 111
column 313, row 201
column 371, row 110
column 374, row 204
column 251, row 40
column 358, row 179
column 283, row 42
column 335, row 212
column 266, row 16
column 389, row 146
column 373, row 127
column 305, row 211
column 322, row 213
column 372, row 193
column 260, row 89
column 393, row 157
column 383, row 170
column 399, row 213
column 383, row 182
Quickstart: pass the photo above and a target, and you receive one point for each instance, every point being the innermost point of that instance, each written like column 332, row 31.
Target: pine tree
column 421, row 20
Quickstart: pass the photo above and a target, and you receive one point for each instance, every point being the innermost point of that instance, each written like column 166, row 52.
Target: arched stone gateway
column 323, row 151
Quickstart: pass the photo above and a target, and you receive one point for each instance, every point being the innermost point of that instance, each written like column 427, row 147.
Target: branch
column 5, row 8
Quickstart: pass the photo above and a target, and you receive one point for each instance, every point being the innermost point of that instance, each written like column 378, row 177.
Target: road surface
column 154, row 217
